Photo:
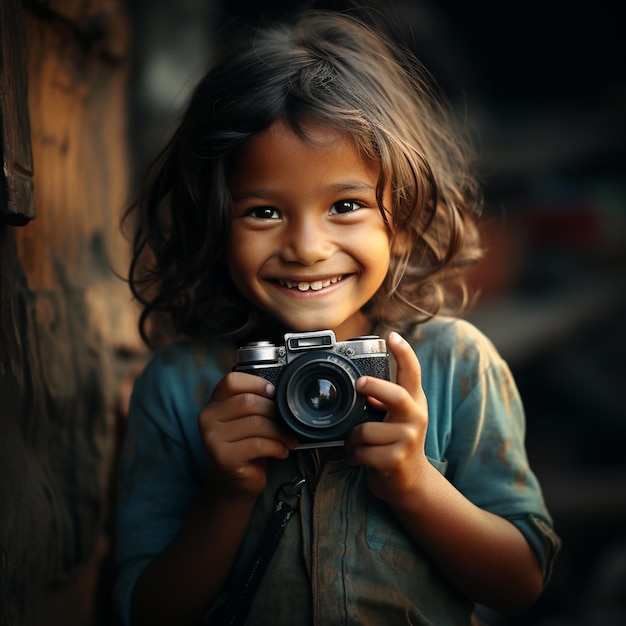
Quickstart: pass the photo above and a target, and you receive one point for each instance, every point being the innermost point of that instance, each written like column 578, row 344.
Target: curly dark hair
column 336, row 70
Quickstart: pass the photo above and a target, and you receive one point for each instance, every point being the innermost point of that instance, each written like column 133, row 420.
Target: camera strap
column 238, row 605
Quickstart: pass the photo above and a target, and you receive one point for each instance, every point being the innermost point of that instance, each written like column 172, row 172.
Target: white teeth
column 305, row 286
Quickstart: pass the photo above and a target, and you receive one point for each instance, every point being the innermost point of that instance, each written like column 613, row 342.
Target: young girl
column 315, row 183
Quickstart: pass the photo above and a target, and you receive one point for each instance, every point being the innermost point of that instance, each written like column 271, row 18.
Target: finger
column 235, row 407
column 256, row 426
column 372, row 434
column 241, row 382
column 242, row 405
column 409, row 371
column 251, row 449
column 383, row 446
column 382, row 459
column 242, row 416
column 245, row 439
column 390, row 397
column 380, row 434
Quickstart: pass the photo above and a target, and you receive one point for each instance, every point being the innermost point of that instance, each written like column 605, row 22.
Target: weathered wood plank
column 16, row 186
column 77, row 102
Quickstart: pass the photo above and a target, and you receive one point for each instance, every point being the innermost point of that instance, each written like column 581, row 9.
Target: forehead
column 308, row 135
column 283, row 155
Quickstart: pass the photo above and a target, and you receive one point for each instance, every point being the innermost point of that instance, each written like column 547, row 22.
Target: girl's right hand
column 239, row 430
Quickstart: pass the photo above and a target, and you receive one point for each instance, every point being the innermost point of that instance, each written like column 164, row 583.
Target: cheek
column 376, row 256
column 239, row 249
column 238, row 271
column 245, row 260
column 384, row 248
column 236, row 268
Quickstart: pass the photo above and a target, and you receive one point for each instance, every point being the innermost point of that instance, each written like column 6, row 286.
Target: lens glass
column 321, row 394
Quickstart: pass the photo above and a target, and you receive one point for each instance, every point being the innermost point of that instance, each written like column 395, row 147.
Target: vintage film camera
column 315, row 377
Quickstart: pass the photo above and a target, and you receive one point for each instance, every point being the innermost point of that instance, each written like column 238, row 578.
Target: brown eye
column 263, row 213
column 344, row 206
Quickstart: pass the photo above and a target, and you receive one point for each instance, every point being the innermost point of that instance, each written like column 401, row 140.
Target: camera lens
column 317, row 397
column 321, row 395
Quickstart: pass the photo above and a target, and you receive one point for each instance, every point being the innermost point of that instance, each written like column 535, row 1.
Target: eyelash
column 268, row 213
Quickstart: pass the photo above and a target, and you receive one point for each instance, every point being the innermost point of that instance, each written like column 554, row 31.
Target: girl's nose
column 307, row 241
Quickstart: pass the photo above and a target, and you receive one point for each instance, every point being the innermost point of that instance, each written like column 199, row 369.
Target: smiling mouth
column 315, row 285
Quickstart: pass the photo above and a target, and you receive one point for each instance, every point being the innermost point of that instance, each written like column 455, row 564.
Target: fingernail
column 270, row 389
column 394, row 337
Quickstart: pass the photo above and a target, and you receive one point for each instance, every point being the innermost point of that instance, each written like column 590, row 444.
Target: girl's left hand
column 393, row 450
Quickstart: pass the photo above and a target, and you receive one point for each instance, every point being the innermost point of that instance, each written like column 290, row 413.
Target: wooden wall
column 66, row 321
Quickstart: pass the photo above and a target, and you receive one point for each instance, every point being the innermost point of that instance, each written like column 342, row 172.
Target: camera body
column 315, row 378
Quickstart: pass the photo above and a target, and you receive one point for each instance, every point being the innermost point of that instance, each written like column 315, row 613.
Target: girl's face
column 308, row 244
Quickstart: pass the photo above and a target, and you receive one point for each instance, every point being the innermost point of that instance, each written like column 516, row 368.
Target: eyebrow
column 352, row 186
column 349, row 186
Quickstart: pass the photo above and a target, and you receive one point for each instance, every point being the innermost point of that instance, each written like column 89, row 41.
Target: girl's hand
column 239, row 433
column 393, row 450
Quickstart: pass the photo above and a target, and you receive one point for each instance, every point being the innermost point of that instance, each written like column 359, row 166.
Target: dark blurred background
column 542, row 87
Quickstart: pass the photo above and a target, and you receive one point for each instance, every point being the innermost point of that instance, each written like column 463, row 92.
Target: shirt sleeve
column 488, row 459
column 158, row 477
column 480, row 434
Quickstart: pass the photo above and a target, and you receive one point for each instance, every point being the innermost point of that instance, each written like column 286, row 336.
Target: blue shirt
column 346, row 559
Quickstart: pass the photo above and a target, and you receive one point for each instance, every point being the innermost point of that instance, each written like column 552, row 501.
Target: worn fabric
column 344, row 558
